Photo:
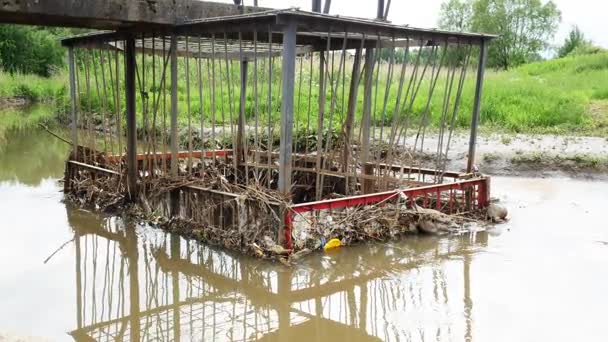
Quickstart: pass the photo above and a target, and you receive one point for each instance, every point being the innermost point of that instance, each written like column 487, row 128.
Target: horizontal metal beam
column 114, row 14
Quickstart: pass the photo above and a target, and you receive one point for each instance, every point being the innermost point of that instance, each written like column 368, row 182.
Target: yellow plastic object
column 331, row 244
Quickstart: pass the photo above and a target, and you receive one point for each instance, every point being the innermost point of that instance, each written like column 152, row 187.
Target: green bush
column 30, row 50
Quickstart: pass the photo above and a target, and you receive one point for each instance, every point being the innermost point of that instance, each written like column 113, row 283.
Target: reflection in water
column 30, row 156
column 136, row 283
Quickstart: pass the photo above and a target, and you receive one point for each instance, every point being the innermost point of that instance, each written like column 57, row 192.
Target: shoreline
column 534, row 155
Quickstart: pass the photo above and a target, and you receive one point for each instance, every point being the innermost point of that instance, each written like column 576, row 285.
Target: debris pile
column 247, row 217
column 375, row 223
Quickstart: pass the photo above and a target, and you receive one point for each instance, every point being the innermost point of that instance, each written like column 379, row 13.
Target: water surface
column 540, row 277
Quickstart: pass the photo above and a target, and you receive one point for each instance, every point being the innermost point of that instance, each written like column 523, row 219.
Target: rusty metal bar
column 241, row 136
column 383, row 196
column 352, row 107
column 320, row 118
column 368, row 65
column 477, row 105
column 95, row 168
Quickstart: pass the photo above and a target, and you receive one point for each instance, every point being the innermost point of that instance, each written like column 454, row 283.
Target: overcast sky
column 589, row 15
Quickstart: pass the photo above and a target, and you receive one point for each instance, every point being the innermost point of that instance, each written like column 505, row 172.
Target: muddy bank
column 14, row 102
column 530, row 155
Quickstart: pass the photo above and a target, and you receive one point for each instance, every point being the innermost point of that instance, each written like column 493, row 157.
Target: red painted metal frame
column 481, row 195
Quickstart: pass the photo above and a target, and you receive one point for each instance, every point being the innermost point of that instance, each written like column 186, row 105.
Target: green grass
column 548, row 97
column 35, row 88
column 19, row 119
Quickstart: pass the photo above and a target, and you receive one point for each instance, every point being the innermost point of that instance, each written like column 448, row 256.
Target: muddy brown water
column 541, row 277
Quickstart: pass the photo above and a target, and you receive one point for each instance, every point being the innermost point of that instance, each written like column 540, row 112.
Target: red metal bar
column 484, row 193
column 382, row 196
column 288, row 227
column 438, row 204
column 474, row 199
column 451, row 201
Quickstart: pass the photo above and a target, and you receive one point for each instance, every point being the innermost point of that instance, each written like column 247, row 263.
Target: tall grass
column 33, row 87
column 551, row 96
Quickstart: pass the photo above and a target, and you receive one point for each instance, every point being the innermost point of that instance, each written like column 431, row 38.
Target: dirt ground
column 530, row 155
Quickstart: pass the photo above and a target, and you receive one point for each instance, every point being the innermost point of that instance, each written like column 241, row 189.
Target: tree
column 29, row 50
column 524, row 26
column 574, row 42
column 455, row 15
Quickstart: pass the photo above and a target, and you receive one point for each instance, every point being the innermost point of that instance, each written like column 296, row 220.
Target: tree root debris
column 246, row 218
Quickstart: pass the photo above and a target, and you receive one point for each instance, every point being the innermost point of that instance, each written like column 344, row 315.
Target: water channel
column 542, row 276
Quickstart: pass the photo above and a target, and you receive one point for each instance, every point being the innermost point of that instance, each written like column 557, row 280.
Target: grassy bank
column 562, row 96
column 34, row 88
column 38, row 96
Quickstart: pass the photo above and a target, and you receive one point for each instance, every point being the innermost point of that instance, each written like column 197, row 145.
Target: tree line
column 33, row 49
column 525, row 28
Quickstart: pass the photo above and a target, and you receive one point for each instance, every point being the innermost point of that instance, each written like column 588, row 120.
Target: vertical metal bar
column 316, row 5
column 174, row 137
column 188, row 105
column 386, row 10
column 73, row 101
column 380, row 13
column 269, row 144
column 327, row 6
column 367, row 116
column 88, row 122
column 118, row 111
column 201, row 101
column 240, row 138
column 154, row 107
column 163, row 135
column 256, row 102
column 352, row 107
column 287, row 100
column 230, row 102
column 332, row 107
column 320, row 119
column 310, row 77
column 477, row 105
column 212, row 95
column 131, row 124
column 350, row 114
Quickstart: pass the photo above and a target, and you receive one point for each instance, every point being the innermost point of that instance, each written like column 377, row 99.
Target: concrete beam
column 113, row 14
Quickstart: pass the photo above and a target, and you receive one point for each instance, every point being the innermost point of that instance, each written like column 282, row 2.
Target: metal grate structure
column 305, row 106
